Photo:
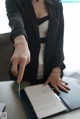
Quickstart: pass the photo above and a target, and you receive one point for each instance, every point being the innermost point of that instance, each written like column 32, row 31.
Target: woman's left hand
column 57, row 83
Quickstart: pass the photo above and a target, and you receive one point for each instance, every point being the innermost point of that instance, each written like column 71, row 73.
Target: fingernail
column 66, row 83
column 66, row 91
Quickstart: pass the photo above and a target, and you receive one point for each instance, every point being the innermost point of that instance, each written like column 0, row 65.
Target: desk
column 9, row 95
column 14, row 106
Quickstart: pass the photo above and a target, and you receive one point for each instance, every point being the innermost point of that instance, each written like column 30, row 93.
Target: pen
column 19, row 90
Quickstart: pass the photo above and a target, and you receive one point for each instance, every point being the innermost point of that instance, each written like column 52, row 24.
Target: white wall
column 3, row 18
column 72, row 36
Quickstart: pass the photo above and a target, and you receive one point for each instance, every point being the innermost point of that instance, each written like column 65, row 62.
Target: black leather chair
column 6, row 47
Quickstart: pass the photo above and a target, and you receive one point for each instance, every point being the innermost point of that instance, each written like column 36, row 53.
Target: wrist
column 55, row 75
column 56, row 71
column 20, row 41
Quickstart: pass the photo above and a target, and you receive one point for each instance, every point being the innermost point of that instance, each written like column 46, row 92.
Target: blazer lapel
column 52, row 18
column 32, row 16
column 51, row 8
column 30, row 11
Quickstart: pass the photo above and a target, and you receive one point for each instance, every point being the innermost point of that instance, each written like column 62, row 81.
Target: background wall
column 72, row 36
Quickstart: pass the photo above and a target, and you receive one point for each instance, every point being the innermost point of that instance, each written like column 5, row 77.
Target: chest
column 40, row 8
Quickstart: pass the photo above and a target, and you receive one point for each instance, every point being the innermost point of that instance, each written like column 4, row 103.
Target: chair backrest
column 6, row 47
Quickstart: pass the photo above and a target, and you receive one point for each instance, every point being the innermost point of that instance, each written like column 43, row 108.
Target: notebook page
column 44, row 100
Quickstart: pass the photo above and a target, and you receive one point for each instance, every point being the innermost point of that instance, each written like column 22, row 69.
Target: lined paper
column 44, row 100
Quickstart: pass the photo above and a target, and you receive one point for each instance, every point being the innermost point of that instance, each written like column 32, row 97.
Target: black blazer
column 22, row 20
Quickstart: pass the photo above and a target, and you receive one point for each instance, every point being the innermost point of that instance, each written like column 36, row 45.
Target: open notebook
column 43, row 102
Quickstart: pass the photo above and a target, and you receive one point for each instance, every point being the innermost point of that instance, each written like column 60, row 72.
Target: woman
column 37, row 33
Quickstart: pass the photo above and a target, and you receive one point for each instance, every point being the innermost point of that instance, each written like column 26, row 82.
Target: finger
column 14, row 68
column 28, row 60
column 57, row 89
column 63, row 88
column 47, row 81
column 64, row 82
column 21, row 71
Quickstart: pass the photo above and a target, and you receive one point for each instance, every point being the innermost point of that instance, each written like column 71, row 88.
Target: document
column 44, row 101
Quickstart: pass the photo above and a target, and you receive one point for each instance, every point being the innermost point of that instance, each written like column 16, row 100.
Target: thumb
column 48, row 80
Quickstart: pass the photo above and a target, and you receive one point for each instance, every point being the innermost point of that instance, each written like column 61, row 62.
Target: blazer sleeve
column 59, row 55
column 15, row 19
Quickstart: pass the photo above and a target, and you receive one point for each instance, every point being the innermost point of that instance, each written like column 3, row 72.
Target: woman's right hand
column 20, row 57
